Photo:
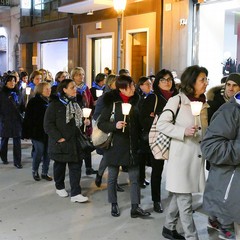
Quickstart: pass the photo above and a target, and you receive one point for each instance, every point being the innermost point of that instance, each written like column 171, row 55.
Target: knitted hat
column 9, row 77
column 235, row 77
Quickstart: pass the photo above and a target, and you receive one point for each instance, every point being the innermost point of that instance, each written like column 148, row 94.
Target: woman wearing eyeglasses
column 164, row 88
column 185, row 167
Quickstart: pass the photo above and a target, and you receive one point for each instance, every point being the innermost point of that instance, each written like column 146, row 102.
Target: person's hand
column 87, row 122
column 61, row 140
column 120, row 124
column 189, row 132
column 152, row 114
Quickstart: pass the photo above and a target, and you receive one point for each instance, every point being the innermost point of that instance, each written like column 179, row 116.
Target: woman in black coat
column 164, row 88
column 33, row 129
column 11, row 108
column 124, row 149
column 62, row 123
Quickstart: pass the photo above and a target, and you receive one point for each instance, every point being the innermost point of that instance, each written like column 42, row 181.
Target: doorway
column 102, row 55
column 137, row 53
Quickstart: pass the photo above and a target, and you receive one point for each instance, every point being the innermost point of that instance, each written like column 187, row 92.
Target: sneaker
column 62, row 193
column 227, row 233
column 79, row 198
column 214, row 224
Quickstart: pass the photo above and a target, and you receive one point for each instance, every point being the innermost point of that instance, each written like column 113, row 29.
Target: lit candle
column 99, row 92
column 86, row 114
column 126, row 107
column 24, row 85
column 196, row 108
column 28, row 91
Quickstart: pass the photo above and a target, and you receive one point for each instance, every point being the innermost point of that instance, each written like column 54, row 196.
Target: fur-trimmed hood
column 217, row 90
column 114, row 96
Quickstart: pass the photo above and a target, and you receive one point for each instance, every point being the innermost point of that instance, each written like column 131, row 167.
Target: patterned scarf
column 73, row 110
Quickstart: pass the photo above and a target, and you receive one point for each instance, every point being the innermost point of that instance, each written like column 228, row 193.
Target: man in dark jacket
column 221, row 94
column 221, row 148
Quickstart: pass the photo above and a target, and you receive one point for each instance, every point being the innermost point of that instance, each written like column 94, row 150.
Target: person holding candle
column 33, row 129
column 62, row 122
column 185, row 169
column 164, row 88
column 124, row 149
column 11, row 109
column 98, row 84
column 84, row 99
column 34, row 79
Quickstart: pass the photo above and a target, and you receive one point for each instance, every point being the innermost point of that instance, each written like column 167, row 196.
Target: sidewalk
column 31, row 210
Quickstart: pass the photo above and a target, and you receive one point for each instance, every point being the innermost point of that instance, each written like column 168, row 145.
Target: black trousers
column 156, row 178
column 17, row 152
column 59, row 171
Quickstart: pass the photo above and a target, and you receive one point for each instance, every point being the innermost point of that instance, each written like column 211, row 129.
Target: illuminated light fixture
column 119, row 5
column 90, row 12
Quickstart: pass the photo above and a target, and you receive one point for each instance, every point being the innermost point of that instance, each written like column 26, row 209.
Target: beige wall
column 176, row 38
column 142, row 21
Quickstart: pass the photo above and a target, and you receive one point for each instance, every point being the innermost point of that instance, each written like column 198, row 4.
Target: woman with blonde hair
column 84, row 99
column 33, row 129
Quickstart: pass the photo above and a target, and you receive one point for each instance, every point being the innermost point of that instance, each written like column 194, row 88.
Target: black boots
column 157, row 207
column 171, row 234
column 115, row 210
column 136, row 211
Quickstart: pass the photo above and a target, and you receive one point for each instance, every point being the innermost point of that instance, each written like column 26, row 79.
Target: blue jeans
column 40, row 154
column 17, row 153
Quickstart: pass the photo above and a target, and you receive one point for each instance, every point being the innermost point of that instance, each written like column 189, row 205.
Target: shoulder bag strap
column 179, row 105
column 156, row 102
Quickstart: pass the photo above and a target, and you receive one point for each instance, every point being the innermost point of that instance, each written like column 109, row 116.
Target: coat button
column 199, row 156
column 199, row 128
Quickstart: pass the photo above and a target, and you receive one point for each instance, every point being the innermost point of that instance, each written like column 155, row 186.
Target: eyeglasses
column 166, row 80
column 205, row 80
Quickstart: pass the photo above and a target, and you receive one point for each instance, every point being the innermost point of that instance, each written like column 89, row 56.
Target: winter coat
column 124, row 144
column 215, row 99
column 185, row 167
column 33, row 120
column 56, row 127
column 10, row 113
column 221, row 148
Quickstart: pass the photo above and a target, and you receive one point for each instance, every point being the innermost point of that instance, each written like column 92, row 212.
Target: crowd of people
column 49, row 112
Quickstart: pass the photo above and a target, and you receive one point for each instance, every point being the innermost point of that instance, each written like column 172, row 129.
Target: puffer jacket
column 221, row 147
column 125, row 145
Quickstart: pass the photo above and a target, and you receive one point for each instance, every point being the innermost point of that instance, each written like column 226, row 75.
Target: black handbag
column 85, row 142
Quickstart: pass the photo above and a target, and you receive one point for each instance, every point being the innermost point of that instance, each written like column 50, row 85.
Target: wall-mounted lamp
column 90, row 12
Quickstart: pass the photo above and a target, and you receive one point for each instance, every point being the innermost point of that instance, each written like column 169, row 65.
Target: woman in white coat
column 185, row 168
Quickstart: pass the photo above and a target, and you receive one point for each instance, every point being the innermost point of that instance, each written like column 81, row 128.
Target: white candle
column 126, row 107
column 196, row 108
column 99, row 93
column 86, row 112
column 24, row 85
column 28, row 90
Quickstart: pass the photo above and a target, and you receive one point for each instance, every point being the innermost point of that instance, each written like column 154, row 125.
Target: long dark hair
column 159, row 76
